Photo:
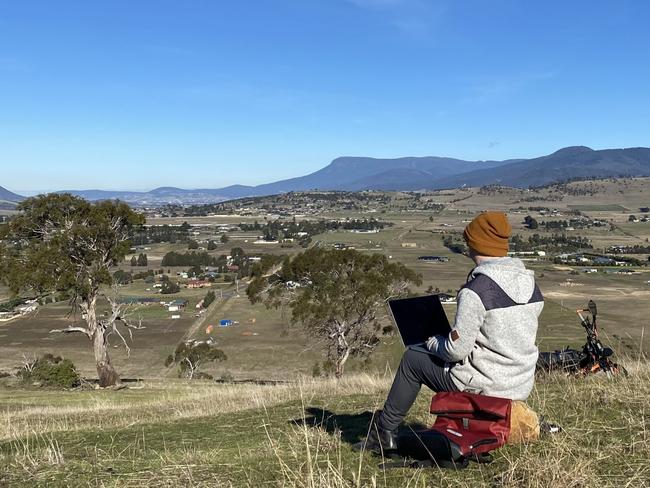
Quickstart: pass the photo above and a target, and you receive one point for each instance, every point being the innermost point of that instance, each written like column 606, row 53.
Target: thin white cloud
column 378, row 4
column 413, row 18
column 482, row 89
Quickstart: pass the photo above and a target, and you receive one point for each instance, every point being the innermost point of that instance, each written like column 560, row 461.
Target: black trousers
column 416, row 369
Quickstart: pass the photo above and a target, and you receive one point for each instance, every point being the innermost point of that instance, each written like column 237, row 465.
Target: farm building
column 138, row 300
column 177, row 305
column 435, row 259
column 199, row 284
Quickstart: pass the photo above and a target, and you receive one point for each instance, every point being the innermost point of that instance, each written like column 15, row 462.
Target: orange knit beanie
column 488, row 234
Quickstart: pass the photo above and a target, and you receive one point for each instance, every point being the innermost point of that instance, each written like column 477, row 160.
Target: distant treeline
column 161, row 233
column 191, row 258
column 560, row 185
column 554, row 243
column 342, row 199
column 278, row 229
column 455, row 243
column 563, row 224
column 636, row 249
column 239, row 262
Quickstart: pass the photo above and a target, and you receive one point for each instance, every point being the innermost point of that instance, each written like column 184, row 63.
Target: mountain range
column 8, row 200
column 408, row 173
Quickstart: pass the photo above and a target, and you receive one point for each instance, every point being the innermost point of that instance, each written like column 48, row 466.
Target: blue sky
column 140, row 94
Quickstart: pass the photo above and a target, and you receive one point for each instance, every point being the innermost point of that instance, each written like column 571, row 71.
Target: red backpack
column 467, row 427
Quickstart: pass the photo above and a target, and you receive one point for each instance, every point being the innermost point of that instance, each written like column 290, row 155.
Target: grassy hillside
column 299, row 434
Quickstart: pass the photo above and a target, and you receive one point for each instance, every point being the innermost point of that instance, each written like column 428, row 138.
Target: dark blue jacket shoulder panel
column 492, row 295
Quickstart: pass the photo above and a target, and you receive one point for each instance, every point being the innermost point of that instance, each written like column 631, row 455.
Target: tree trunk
column 340, row 363
column 105, row 371
column 342, row 349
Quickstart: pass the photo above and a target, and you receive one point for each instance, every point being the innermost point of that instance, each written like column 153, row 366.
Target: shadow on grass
column 353, row 427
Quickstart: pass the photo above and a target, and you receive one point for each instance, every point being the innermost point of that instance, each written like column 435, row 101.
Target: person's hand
column 431, row 342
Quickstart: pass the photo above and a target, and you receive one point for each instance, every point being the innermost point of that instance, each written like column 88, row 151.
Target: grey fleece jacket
column 492, row 341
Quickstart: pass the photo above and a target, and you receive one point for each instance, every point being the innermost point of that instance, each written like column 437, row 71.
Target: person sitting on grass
column 490, row 349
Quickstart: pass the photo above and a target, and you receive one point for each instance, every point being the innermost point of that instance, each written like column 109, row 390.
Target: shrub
column 190, row 356
column 315, row 370
column 52, row 371
column 11, row 304
column 329, row 368
column 168, row 286
column 209, row 298
column 202, row 376
column 122, row 277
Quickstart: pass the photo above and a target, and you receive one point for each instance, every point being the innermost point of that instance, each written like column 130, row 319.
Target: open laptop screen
column 419, row 318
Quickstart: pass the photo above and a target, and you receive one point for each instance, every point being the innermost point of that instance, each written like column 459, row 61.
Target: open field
column 180, row 433
column 599, row 208
column 264, row 345
column 30, row 336
column 169, row 432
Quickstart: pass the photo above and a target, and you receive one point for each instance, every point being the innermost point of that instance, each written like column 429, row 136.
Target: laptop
column 419, row 318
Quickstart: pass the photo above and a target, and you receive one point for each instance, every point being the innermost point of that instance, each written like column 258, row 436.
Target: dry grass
column 163, row 401
column 201, row 434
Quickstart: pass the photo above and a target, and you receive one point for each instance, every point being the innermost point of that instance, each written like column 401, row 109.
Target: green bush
column 209, row 298
column 11, row 304
column 203, row 376
column 51, row 371
column 190, row 356
column 315, row 370
column 329, row 368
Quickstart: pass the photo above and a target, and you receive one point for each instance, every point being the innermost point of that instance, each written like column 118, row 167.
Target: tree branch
column 70, row 329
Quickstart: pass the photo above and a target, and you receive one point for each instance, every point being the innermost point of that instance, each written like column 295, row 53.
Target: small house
column 435, row 259
column 192, row 284
column 177, row 305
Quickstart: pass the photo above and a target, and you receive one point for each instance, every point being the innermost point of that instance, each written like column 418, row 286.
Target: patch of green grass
column 598, row 208
column 306, row 440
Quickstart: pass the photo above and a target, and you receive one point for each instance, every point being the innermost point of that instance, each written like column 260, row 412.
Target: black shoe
column 379, row 440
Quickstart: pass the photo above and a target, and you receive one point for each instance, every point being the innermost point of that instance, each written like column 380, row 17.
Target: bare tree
column 64, row 244
column 190, row 356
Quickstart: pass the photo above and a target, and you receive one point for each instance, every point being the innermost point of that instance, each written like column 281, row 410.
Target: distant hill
column 345, row 173
column 10, row 196
column 414, row 173
column 158, row 196
column 565, row 164
column 9, row 200
column 359, row 173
